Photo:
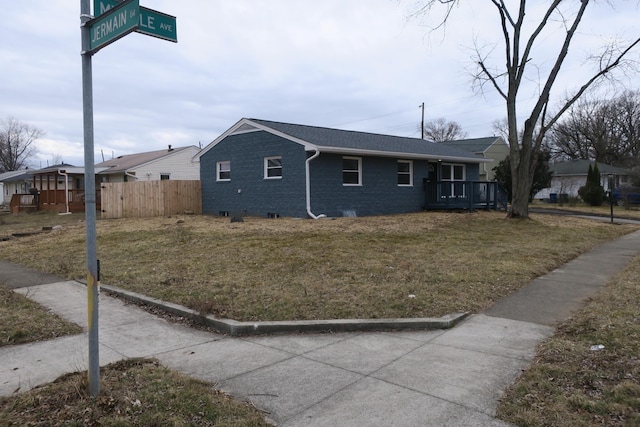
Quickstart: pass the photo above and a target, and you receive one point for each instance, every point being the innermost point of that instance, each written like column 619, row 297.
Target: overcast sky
column 351, row 64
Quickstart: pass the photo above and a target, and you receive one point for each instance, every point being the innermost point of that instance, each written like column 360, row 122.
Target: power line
column 371, row 118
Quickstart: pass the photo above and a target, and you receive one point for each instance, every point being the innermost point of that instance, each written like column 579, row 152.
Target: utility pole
column 422, row 123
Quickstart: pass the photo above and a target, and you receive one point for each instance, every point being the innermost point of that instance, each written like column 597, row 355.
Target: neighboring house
column 569, row 176
column 15, row 182
column 266, row 168
column 493, row 147
column 171, row 163
column 60, row 188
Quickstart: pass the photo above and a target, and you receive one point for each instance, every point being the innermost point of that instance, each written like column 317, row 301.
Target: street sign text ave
column 152, row 22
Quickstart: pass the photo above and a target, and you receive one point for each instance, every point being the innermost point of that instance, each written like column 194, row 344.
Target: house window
column 164, row 177
column 223, row 171
column 273, row 167
column 352, row 171
column 405, row 173
column 456, row 175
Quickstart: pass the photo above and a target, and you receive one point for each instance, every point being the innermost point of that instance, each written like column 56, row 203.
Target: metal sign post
column 111, row 25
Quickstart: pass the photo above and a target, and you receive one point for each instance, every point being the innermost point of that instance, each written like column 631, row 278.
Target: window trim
column 359, row 171
column 219, row 170
column 267, row 168
column 452, row 179
column 410, row 173
column 168, row 176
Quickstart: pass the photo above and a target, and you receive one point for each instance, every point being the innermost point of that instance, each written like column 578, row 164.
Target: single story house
column 267, row 168
column 569, row 176
column 171, row 163
column 61, row 187
column 14, row 182
column 493, row 147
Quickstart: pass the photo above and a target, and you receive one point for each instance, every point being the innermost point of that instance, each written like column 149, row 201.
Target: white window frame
column 359, row 171
column 268, row 168
column 220, row 170
column 410, row 173
column 168, row 176
column 453, row 179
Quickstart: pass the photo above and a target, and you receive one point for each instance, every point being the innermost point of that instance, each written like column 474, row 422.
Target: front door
column 432, row 183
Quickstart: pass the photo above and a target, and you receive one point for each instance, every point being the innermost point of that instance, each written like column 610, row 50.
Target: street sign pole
column 115, row 21
column 93, row 286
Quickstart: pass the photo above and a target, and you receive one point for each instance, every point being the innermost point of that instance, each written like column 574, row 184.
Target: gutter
column 129, row 174
column 308, row 186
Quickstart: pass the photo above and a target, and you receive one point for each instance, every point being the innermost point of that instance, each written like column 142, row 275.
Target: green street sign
column 113, row 25
column 152, row 22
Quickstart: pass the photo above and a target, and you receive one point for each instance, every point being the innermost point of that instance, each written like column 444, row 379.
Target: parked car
column 626, row 195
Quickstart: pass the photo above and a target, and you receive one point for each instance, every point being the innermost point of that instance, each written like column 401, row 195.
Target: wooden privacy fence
column 150, row 198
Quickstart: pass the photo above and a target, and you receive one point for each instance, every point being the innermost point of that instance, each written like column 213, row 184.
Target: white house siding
column 562, row 185
column 178, row 166
column 568, row 185
column 13, row 187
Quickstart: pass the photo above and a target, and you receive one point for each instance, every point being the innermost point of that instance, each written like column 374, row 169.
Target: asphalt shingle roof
column 474, row 145
column 354, row 140
column 129, row 161
column 581, row 167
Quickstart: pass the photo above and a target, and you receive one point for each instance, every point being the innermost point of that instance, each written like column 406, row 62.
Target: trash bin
column 553, row 198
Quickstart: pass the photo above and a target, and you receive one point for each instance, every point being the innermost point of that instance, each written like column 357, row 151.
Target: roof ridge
column 340, row 130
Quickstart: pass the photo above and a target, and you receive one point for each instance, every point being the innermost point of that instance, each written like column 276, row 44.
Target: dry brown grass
column 571, row 385
column 132, row 393
column 280, row 269
column 22, row 320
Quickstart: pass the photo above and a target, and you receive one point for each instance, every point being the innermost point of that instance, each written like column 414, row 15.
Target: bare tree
column 521, row 35
column 604, row 130
column 17, row 144
column 441, row 130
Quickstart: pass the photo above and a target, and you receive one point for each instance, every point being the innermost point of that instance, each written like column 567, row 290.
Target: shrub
column 592, row 192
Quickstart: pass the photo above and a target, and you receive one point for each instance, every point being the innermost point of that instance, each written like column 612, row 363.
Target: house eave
column 397, row 154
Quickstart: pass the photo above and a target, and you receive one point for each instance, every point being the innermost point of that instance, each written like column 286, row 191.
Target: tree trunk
column 521, row 173
column 520, row 194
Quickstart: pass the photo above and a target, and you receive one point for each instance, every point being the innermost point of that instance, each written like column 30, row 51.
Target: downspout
column 127, row 173
column 308, row 183
column 66, row 190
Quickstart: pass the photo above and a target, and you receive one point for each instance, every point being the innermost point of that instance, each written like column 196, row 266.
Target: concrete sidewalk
column 439, row 377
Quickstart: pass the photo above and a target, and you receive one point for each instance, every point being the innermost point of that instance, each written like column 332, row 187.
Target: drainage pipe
column 308, row 183
column 66, row 189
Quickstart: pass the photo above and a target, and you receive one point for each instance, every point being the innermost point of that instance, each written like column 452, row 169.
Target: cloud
column 355, row 64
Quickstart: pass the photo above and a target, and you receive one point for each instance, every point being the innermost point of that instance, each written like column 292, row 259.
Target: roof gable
column 340, row 141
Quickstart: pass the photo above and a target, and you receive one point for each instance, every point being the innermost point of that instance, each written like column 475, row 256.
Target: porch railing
column 468, row 195
column 54, row 200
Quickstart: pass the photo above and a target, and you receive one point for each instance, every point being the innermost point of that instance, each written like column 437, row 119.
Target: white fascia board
column 401, row 155
column 213, row 143
column 233, row 130
column 307, row 145
column 78, row 170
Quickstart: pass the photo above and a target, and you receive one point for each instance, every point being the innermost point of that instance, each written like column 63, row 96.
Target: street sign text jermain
column 114, row 25
column 152, row 22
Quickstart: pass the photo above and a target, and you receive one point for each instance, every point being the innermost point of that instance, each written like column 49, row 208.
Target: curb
column 234, row 328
